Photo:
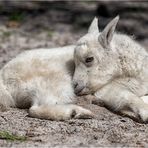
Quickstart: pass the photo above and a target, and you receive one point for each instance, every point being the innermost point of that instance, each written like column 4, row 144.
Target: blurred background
column 26, row 25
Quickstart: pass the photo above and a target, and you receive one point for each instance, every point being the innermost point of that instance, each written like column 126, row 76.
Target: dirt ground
column 107, row 129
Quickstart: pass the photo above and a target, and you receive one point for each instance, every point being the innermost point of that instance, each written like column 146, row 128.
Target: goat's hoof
column 81, row 113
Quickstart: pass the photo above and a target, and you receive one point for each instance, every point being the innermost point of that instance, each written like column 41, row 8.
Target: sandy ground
column 107, row 129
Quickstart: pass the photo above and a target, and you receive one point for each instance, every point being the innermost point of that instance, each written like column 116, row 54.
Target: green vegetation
column 8, row 136
column 6, row 33
column 16, row 16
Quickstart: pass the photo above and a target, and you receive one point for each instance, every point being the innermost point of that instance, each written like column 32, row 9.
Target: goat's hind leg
column 59, row 112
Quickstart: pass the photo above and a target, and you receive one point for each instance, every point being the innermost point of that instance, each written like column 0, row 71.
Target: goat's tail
column 6, row 99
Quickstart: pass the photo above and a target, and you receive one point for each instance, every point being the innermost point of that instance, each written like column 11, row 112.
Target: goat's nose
column 78, row 87
column 75, row 84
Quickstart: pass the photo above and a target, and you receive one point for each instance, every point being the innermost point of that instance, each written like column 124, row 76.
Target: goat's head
column 94, row 59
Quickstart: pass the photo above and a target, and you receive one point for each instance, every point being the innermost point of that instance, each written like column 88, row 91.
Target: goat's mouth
column 82, row 91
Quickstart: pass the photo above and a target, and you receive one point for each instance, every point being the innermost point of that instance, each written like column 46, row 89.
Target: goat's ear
column 107, row 34
column 93, row 26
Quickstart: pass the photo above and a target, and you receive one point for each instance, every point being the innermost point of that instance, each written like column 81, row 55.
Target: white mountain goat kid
column 114, row 68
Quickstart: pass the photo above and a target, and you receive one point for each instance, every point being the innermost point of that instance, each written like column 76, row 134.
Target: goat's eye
column 89, row 59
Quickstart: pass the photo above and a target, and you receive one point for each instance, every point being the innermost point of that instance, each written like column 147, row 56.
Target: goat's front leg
column 120, row 99
column 59, row 112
